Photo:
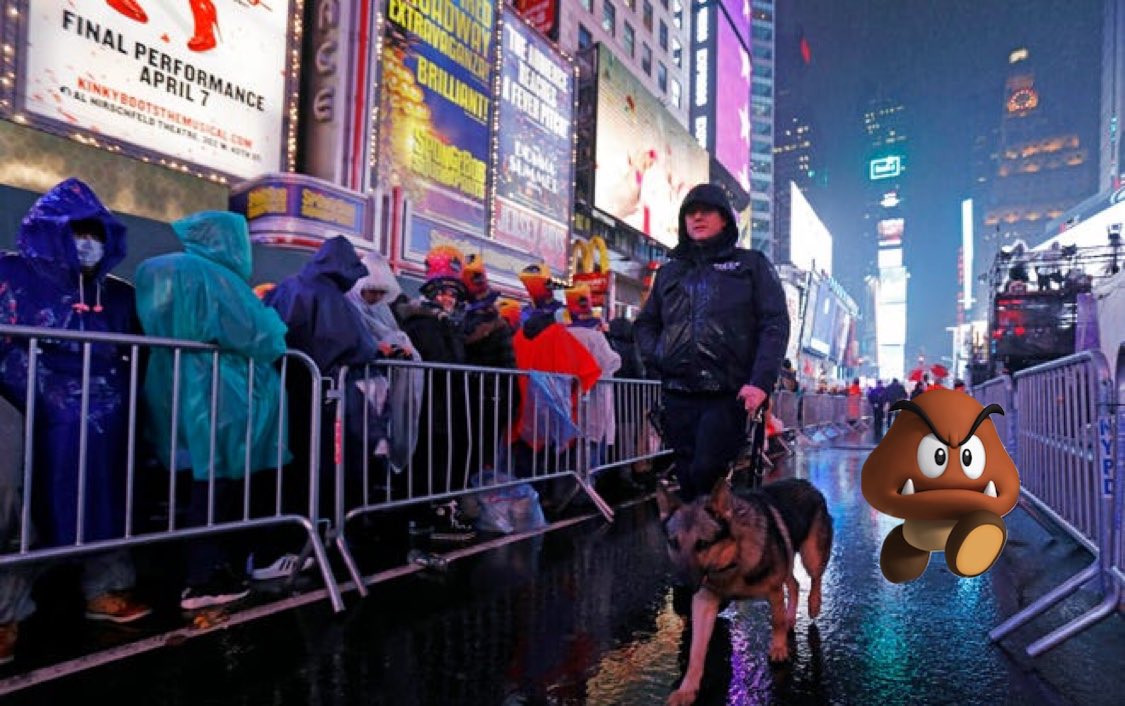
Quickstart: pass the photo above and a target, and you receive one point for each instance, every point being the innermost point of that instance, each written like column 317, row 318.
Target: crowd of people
column 214, row 420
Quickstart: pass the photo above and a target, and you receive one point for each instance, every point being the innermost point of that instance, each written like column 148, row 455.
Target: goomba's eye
column 972, row 458
column 933, row 457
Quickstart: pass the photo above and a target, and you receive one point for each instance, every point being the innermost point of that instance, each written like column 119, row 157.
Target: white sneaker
column 285, row 566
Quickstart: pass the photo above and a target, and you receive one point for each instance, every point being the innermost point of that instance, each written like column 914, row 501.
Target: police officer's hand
column 751, row 396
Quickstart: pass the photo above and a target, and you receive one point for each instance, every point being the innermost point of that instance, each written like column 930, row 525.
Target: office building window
column 663, row 36
column 587, row 5
column 628, row 39
column 677, row 52
column 631, row 4
column 678, row 14
column 609, row 18
column 661, row 77
column 674, row 94
column 646, row 15
column 585, row 39
column 646, row 59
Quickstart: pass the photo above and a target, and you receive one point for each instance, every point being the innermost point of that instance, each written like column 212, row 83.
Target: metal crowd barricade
column 81, row 344
column 785, row 408
column 618, row 411
column 1065, row 455
column 1001, row 390
column 464, row 417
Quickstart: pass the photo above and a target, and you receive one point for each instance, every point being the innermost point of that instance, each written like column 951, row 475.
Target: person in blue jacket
column 68, row 242
column 714, row 328
column 324, row 325
column 203, row 294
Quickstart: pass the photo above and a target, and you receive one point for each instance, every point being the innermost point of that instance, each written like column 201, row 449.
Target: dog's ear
column 722, row 498
column 667, row 501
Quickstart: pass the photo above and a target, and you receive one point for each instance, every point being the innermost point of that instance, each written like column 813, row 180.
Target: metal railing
column 618, row 428
column 1066, row 458
column 62, row 362
column 476, row 430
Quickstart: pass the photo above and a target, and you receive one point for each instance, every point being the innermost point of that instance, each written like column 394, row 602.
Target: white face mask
column 90, row 252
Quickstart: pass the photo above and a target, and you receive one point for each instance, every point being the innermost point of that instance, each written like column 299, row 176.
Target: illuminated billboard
column 645, row 161
column 163, row 83
column 890, row 232
column 543, row 15
column 884, row 167
column 810, row 242
column 435, row 108
column 534, row 160
column 793, row 305
column 821, row 319
column 732, row 95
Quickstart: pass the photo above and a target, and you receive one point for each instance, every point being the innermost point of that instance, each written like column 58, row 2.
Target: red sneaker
column 116, row 607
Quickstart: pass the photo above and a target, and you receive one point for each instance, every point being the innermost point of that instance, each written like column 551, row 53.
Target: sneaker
column 448, row 525
column 116, row 607
column 220, row 590
column 8, row 634
column 286, row 565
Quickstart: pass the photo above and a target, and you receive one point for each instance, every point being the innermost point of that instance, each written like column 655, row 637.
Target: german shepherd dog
column 741, row 546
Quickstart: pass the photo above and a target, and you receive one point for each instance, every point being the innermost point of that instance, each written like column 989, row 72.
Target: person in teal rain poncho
column 203, row 294
column 68, row 243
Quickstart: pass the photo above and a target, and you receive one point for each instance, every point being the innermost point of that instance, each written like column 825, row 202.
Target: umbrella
column 916, row 374
column 939, row 371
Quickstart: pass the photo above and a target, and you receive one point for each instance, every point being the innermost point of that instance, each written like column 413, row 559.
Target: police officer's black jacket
column 716, row 318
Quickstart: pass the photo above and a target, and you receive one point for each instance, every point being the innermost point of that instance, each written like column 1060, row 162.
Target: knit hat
column 474, row 277
column 443, row 269
column 579, row 302
column 537, row 280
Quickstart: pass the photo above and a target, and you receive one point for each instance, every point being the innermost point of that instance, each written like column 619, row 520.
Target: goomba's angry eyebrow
column 912, row 407
column 984, row 414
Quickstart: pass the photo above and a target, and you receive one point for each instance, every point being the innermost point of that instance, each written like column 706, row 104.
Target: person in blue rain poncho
column 203, row 294
column 324, row 325
column 68, row 242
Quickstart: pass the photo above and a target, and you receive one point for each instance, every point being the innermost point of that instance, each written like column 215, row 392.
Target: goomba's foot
column 900, row 560
column 975, row 543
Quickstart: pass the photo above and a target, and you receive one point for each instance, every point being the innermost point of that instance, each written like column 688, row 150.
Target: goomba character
column 943, row 469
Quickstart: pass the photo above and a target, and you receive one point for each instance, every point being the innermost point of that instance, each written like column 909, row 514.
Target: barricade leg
column 1045, row 602
column 1096, row 614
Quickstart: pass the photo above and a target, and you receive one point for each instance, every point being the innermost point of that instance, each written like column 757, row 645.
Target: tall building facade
column 762, row 232
column 794, row 163
column 649, row 36
column 1043, row 165
column 878, row 255
column 1111, row 172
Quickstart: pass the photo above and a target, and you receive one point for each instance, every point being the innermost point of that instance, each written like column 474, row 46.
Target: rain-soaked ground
column 585, row 615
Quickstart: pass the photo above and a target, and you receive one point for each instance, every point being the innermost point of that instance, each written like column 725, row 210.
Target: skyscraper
column 793, row 161
column 1112, row 148
column 762, row 126
column 1044, row 165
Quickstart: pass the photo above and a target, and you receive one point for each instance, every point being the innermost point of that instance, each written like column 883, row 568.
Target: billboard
column 822, row 319
column 543, row 15
column 534, row 161
column 810, row 242
column 793, row 305
column 732, row 100
column 150, row 83
column 435, row 108
column 645, row 161
column 890, row 232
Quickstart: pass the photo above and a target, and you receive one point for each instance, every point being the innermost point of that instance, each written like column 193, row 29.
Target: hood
column 220, row 236
column 712, row 196
column 337, row 261
column 45, row 233
column 379, row 276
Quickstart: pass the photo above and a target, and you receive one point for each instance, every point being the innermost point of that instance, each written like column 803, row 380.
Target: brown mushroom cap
column 952, row 494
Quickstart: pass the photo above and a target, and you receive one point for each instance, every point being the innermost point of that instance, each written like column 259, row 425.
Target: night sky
column 946, row 62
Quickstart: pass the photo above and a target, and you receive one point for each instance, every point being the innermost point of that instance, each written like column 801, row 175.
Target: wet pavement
column 585, row 615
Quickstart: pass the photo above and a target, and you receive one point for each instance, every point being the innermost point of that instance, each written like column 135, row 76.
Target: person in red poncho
column 545, row 345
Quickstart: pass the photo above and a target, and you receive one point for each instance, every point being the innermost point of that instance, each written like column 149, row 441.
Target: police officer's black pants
column 706, row 432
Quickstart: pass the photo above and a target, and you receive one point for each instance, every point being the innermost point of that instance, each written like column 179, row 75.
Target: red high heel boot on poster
column 130, row 9
column 206, row 24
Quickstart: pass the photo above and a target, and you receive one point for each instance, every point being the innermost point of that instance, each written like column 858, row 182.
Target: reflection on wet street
column 585, row 615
